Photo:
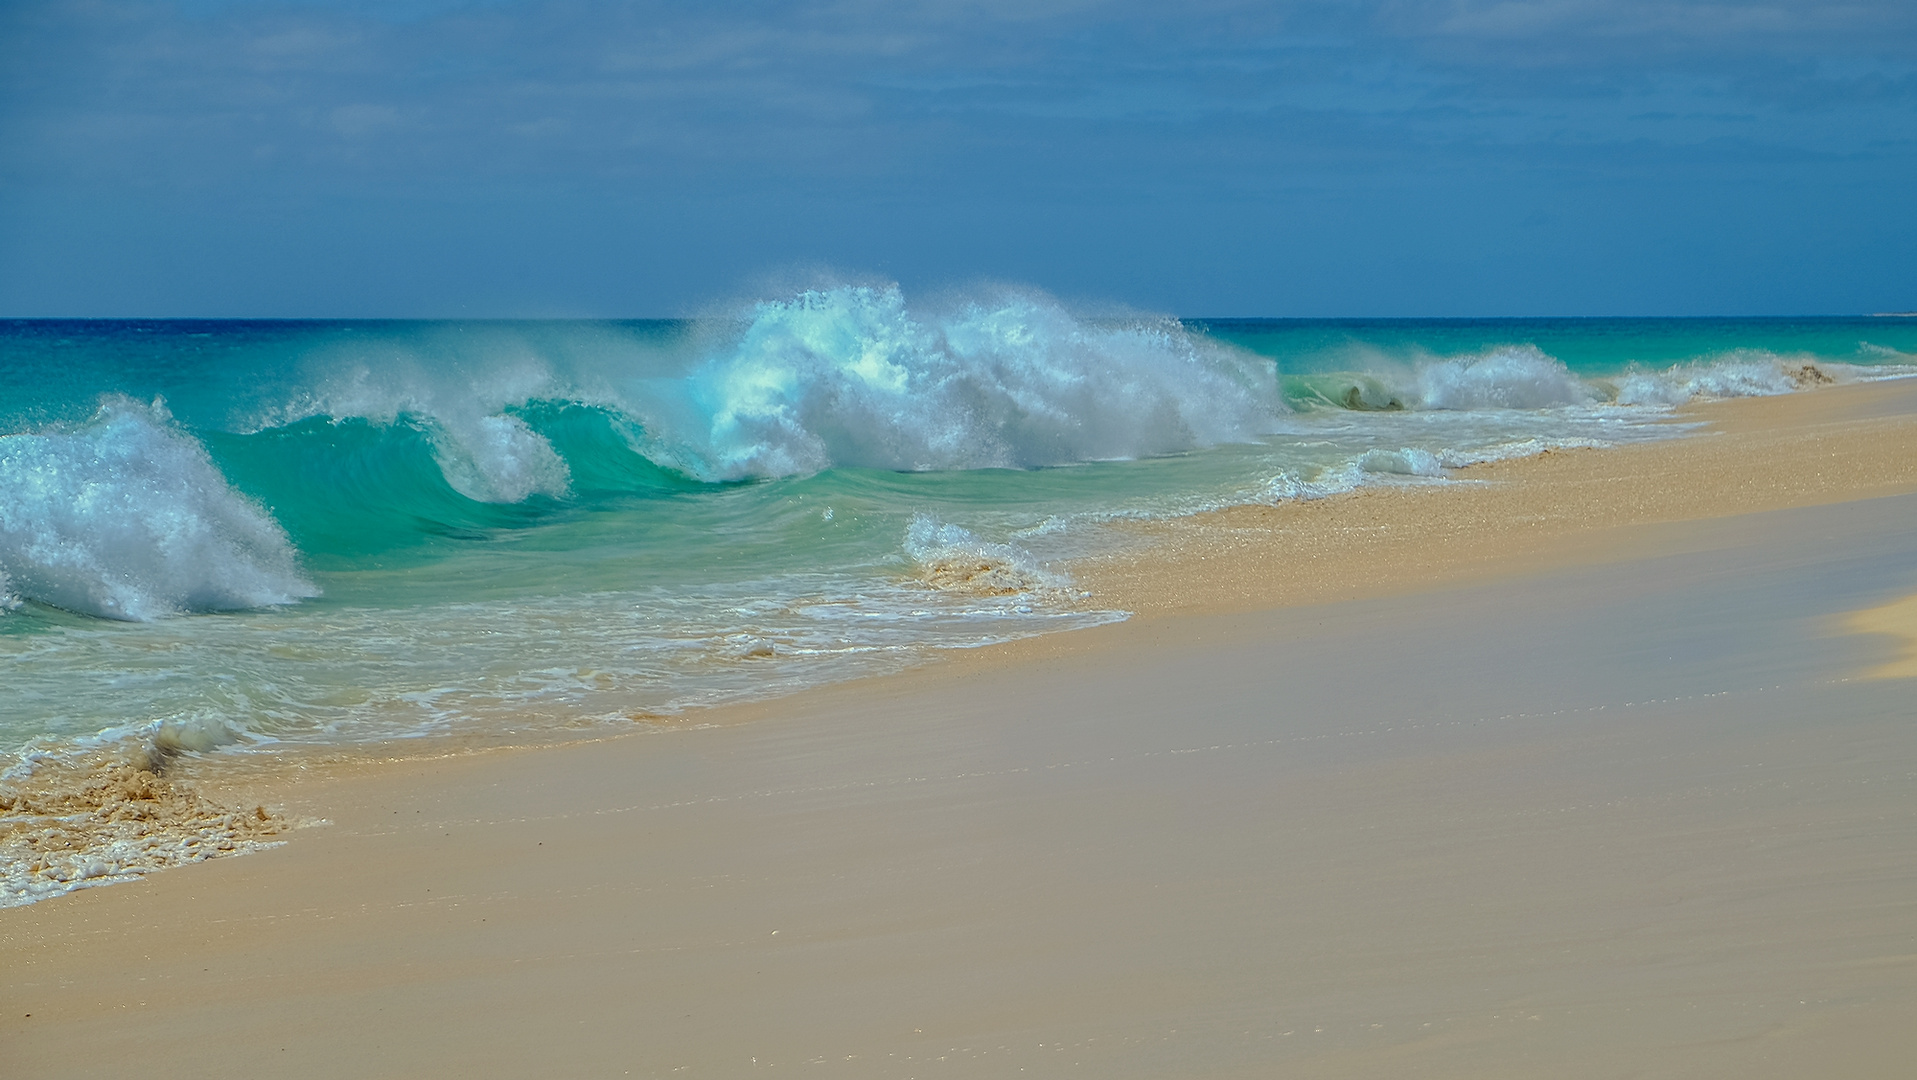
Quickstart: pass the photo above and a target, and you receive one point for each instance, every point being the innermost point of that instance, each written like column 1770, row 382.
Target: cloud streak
column 775, row 104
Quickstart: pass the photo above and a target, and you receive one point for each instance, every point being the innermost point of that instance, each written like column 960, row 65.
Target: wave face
column 126, row 518
column 850, row 376
column 485, row 454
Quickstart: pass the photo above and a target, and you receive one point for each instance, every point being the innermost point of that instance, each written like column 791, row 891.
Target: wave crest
column 850, row 376
column 484, row 452
column 1505, row 377
column 1526, row 377
column 126, row 518
column 1742, row 373
column 1514, row 377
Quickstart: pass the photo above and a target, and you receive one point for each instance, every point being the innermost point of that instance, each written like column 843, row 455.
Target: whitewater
column 238, row 537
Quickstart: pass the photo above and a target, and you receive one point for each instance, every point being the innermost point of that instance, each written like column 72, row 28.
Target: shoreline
column 1521, row 515
column 1411, row 537
column 894, row 783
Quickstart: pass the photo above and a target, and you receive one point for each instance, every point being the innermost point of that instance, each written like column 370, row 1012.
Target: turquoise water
column 249, row 534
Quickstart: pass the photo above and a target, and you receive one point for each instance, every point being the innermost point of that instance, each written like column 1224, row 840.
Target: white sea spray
column 1511, row 377
column 851, row 375
column 128, row 518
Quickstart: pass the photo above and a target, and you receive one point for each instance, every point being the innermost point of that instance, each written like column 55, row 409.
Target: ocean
column 235, row 537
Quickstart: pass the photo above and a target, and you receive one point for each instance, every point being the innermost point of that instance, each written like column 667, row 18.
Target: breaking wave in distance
column 1526, row 377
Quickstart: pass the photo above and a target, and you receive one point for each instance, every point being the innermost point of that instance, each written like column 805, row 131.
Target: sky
column 484, row 158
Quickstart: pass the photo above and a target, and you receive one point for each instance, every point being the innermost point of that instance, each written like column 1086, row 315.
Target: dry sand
column 1580, row 772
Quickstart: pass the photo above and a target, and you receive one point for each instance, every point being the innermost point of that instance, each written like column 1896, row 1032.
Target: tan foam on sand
column 1897, row 619
column 978, row 575
column 109, row 817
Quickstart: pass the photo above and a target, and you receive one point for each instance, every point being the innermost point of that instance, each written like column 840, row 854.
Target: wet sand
column 1585, row 771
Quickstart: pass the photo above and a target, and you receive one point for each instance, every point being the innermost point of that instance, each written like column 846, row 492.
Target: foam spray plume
column 851, row 376
column 126, row 518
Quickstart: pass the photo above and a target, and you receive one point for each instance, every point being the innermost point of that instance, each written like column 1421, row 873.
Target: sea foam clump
column 96, row 820
column 127, row 518
column 850, row 376
column 953, row 559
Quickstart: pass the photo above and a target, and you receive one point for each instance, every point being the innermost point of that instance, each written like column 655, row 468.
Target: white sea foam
column 1522, row 448
column 1408, row 461
column 127, row 518
column 1413, row 464
column 851, row 376
column 1290, row 486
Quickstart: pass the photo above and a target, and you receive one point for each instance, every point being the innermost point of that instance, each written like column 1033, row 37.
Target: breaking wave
column 1526, row 377
column 484, row 452
column 125, row 517
column 1743, row 373
column 1518, row 377
column 851, row 376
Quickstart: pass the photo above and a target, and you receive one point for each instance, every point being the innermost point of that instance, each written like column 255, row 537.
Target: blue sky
column 1404, row 157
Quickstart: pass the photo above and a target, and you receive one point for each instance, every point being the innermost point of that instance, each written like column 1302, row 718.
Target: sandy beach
column 1588, row 768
